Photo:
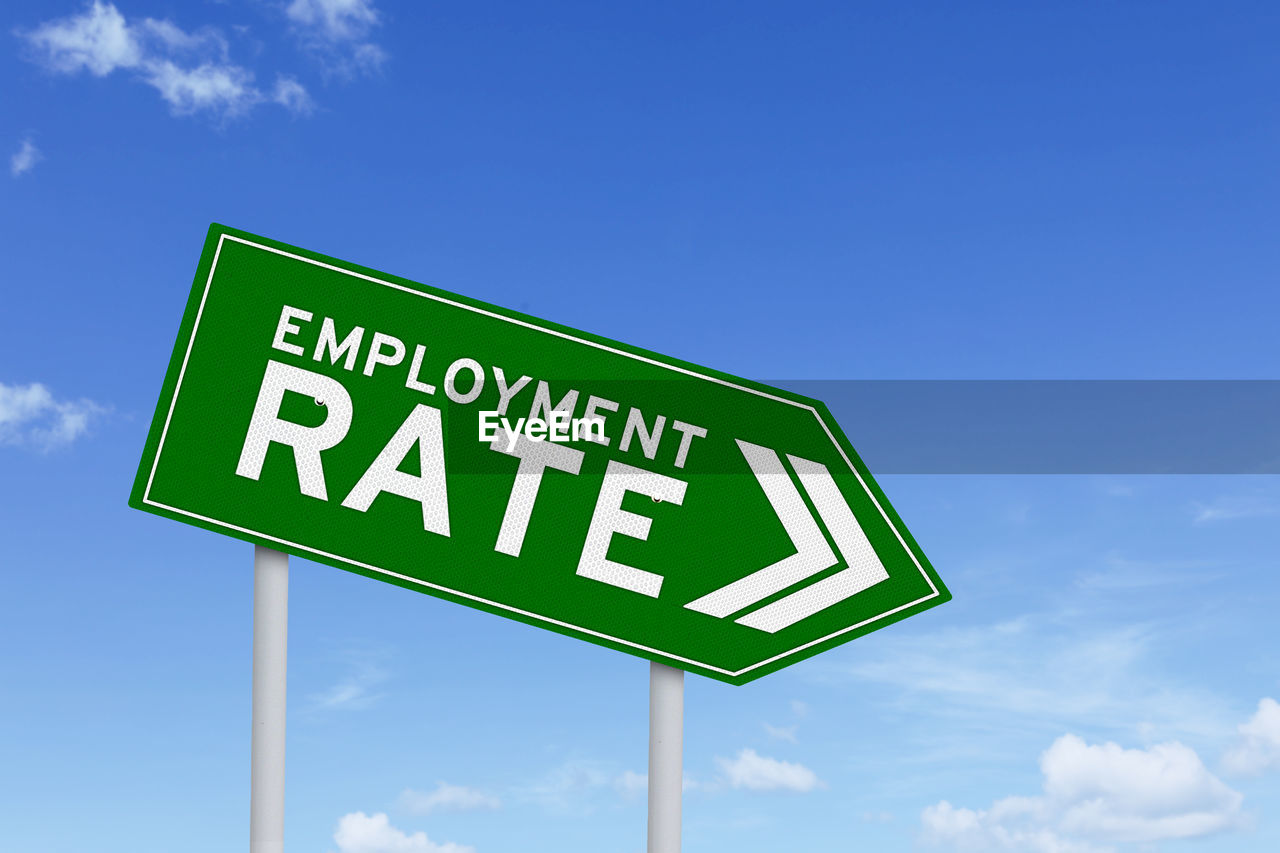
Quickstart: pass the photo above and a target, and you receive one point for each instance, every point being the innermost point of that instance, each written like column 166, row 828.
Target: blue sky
column 825, row 190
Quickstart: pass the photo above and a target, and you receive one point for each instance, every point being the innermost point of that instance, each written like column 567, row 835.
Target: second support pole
column 666, row 757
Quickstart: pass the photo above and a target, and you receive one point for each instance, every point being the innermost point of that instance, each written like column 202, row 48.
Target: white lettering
column 542, row 401
column 415, row 370
column 513, row 433
column 689, row 433
column 504, row 393
column 376, row 356
column 451, row 380
column 558, row 426
column 609, row 518
column 592, row 414
column 635, row 426
column 307, row 442
column 590, row 429
column 329, row 340
column 423, row 428
column 286, row 327
column 535, row 457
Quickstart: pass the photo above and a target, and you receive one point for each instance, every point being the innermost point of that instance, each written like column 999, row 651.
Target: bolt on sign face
column 521, row 467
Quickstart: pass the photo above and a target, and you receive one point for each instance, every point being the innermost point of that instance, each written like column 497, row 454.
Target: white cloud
column 1121, row 573
column 25, row 159
column 178, row 40
column 756, row 773
column 1140, row 795
column 565, row 787
column 358, row 689
column 1259, row 746
column 790, row 734
column 368, row 57
column 293, row 96
column 632, row 784
column 337, row 31
column 1233, row 508
column 190, row 70
column 337, row 20
column 349, row 695
column 944, row 825
column 31, row 416
column 446, row 798
column 98, row 40
column 579, row 786
column 225, row 89
column 1096, row 794
column 787, row 733
column 1050, row 669
column 361, row 833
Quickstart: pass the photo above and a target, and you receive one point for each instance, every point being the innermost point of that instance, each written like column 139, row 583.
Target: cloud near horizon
column 1096, row 795
column 754, row 772
column 358, row 832
column 1258, row 748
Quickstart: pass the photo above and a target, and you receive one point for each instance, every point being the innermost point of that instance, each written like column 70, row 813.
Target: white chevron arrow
column 813, row 554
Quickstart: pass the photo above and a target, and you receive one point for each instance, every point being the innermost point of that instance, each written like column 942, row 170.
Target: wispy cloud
column 191, row 70
column 799, row 710
column 358, row 832
column 567, row 787
column 787, row 733
column 580, row 786
column 1116, row 488
column 1053, row 669
column 1123, row 573
column 292, row 95
column 446, row 798
column 633, row 784
column 25, row 158
column 337, row 33
column 1236, row 507
column 1096, row 794
column 1258, row 746
column 30, row 416
column 754, row 772
column 358, row 689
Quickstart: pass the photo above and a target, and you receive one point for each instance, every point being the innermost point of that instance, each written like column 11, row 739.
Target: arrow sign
column 813, row 554
column 521, row 467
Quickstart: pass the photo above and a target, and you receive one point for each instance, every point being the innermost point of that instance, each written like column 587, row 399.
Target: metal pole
column 270, row 647
column 666, row 757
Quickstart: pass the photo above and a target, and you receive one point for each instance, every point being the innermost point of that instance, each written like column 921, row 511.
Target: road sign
column 521, row 467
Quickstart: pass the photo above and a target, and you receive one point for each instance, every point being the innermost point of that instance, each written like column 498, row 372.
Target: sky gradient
column 821, row 191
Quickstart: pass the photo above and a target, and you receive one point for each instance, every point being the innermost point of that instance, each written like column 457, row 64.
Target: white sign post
column 666, row 756
column 270, row 652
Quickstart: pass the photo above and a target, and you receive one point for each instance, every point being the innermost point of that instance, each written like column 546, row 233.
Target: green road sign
column 520, row 467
